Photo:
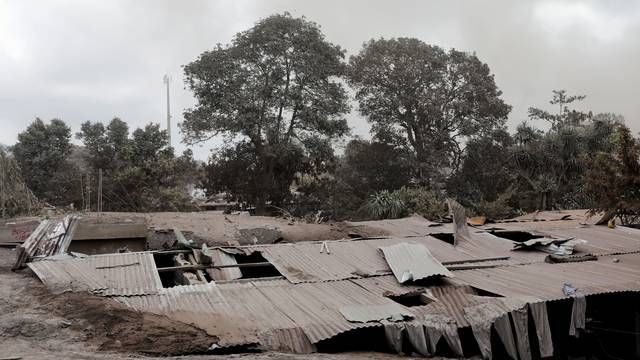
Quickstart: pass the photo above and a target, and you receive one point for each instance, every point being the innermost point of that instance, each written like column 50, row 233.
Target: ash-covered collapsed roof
column 334, row 288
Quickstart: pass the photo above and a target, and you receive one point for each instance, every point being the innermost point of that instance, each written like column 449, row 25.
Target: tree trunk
column 264, row 183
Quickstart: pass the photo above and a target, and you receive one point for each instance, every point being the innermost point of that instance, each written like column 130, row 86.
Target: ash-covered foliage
column 280, row 94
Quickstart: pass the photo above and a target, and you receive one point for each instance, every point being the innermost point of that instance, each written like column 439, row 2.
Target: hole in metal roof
column 517, row 236
column 412, row 299
column 446, row 237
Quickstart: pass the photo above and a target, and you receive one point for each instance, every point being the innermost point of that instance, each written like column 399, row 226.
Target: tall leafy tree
column 486, row 174
column 141, row 172
column 371, row 166
column 614, row 178
column 565, row 116
column 552, row 164
column 366, row 167
column 434, row 100
column 276, row 87
column 41, row 152
column 107, row 147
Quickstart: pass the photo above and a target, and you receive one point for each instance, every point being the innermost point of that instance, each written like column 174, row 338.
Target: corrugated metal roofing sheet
column 123, row 274
column 410, row 261
column 544, row 281
column 353, row 275
column 374, row 313
column 601, row 240
column 257, row 311
column 238, row 312
column 557, row 215
column 349, row 259
column 410, row 226
column 48, row 239
column 386, row 285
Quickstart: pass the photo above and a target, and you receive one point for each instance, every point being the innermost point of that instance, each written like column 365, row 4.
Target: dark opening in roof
column 412, row 299
column 257, row 271
column 482, row 292
column 517, row 236
column 446, row 237
column 171, row 278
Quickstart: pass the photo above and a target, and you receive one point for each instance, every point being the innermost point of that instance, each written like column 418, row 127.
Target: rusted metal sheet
column 411, row 261
column 50, row 238
column 124, row 274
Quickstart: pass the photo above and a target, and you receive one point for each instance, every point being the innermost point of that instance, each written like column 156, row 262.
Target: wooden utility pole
column 88, row 192
column 2, row 192
column 100, row 190
column 84, row 203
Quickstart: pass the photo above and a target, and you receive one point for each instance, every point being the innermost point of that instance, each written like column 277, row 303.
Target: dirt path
column 35, row 324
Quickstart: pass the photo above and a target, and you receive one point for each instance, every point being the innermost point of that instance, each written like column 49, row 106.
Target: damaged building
column 534, row 287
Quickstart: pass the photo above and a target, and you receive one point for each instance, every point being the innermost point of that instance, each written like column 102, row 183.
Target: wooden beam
column 474, row 260
column 171, row 252
column 470, row 266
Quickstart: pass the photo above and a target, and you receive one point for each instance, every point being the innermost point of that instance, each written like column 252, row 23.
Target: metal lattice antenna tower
column 167, row 80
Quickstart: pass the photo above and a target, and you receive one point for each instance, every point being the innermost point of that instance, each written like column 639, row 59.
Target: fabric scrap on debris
column 543, row 330
column 417, row 338
column 460, row 227
column 393, row 334
column 521, row 327
column 505, row 333
column 439, row 326
column 578, row 314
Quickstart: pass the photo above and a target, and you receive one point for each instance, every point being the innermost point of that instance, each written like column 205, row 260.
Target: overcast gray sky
column 93, row 60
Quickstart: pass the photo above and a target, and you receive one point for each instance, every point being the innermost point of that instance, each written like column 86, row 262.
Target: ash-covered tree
column 235, row 171
column 565, row 115
column 485, row 180
column 15, row 197
column 365, row 167
column 276, row 88
column 107, row 148
column 551, row 165
column 371, row 166
column 613, row 178
column 140, row 171
column 433, row 99
column 41, row 153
